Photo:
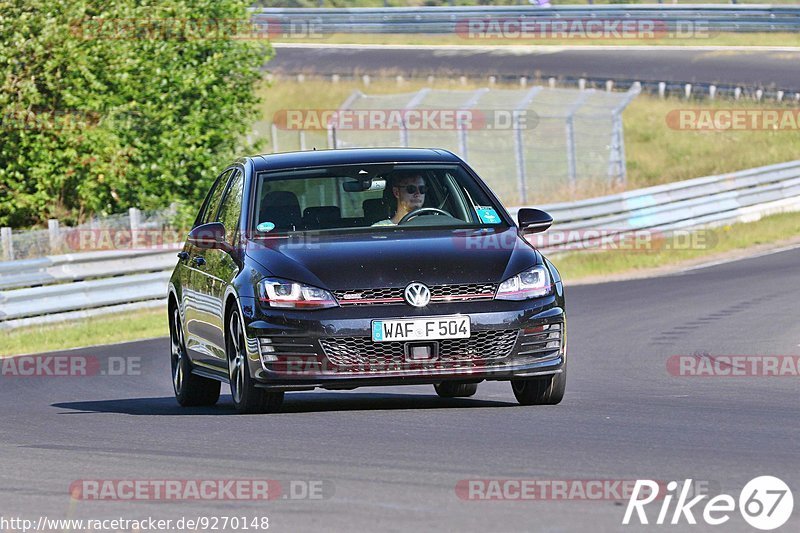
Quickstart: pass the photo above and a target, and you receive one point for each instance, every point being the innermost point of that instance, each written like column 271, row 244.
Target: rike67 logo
column 765, row 503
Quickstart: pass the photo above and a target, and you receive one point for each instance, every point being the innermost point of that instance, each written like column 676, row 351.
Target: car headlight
column 532, row 283
column 286, row 294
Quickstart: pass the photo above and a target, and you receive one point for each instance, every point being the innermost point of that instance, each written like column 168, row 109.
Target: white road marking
column 520, row 48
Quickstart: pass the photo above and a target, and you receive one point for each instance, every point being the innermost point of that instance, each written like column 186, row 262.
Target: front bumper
column 291, row 350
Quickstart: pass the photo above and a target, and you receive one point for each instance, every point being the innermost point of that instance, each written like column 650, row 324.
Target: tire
column 247, row 398
column 547, row 390
column 450, row 389
column 190, row 390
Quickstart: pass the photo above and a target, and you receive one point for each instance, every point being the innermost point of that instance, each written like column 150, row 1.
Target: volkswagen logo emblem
column 417, row 294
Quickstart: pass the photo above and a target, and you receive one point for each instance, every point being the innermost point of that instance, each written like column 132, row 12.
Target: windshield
column 375, row 196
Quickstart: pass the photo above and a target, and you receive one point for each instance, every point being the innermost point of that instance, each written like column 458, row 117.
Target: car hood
column 357, row 260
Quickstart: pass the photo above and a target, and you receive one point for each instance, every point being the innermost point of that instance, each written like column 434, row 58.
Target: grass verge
column 656, row 153
column 108, row 329
column 705, row 245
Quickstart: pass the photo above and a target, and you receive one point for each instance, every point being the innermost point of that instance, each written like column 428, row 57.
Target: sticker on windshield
column 265, row 227
column 488, row 215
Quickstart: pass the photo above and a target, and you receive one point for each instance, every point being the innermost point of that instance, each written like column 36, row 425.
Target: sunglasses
column 412, row 189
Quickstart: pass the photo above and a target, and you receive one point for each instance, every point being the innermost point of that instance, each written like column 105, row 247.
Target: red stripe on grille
column 373, row 301
column 463, row 296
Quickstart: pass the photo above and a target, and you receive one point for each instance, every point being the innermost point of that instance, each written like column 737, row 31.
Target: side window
column 232, row 207
column 212, row 201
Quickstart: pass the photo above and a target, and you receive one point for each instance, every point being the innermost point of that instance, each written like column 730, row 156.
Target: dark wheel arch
column 190, row 389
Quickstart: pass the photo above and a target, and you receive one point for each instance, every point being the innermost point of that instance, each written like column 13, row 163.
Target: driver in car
column 409, row 191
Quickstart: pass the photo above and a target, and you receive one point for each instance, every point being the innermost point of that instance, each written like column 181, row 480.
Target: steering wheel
column 423, row 211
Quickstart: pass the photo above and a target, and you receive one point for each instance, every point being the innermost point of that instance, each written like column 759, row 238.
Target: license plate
column 421, row 329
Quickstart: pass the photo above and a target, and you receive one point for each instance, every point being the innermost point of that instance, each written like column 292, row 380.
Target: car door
column 200, row 307
column 221, row 268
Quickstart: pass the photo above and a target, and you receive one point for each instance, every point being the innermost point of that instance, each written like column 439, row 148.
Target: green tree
column 108, row 105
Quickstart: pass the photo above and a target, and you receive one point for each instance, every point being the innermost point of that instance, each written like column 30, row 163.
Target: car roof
column 351, row 156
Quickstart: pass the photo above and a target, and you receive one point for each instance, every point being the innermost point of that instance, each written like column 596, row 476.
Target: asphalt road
column 391, row 458
column 762, row 68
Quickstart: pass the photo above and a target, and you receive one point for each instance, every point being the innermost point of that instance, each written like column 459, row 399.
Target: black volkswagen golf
column 348, row 268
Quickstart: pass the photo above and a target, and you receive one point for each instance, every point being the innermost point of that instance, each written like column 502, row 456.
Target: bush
column 108, row 105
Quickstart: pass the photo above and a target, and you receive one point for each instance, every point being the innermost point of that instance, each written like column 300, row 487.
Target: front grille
column 363, row 352
column 439, row 293
column 541, row 341
column 472, row 291
column 369, row 296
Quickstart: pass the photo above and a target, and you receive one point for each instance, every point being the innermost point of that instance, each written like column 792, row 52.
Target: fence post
column 274, row 130
column 333, row 141
column 55, row 236
column 331, row 137
column 135, row 217
column 616, row 157
column 519, row 143
column 462, row 140
column 617, row 166
column 8, row 244
column 519, row 155
column 462, row 133
column 411, row 104
column 569, row 123
column 572, row 158
column 403, row 134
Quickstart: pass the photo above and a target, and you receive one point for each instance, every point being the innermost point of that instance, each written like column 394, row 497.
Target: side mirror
column 533, row 220
column 209, row 236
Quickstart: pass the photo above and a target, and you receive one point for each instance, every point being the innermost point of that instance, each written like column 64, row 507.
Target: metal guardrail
column 54, row 299
column 55, row 288
column 709, row 201
column 82, row 266
column 115, row 281
column 450, row 20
